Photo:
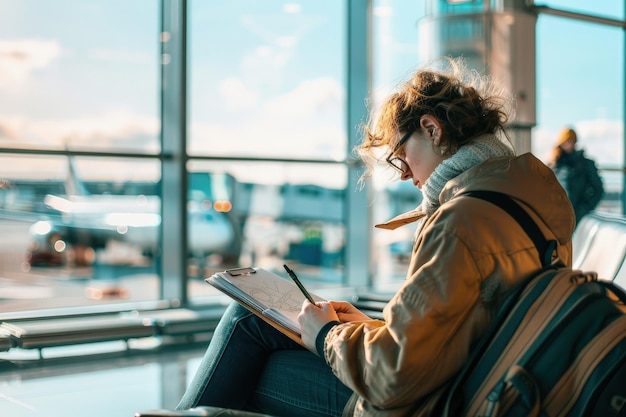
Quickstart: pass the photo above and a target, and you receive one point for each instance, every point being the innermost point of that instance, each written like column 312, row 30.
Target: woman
column 441, row 131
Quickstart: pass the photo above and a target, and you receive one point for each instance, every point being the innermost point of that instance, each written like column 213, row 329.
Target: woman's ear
column 432, row 127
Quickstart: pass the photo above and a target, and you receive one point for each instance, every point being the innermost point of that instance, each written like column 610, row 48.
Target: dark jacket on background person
column 579, row 176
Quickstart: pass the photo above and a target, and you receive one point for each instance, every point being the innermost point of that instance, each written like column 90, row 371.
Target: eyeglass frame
column 391, row 160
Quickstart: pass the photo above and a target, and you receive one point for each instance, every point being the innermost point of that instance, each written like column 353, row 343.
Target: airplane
column 80, row 223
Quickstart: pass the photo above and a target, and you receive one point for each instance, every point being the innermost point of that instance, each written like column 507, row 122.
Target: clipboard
column 274, row 299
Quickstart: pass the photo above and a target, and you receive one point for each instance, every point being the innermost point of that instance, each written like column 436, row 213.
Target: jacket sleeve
column 423, row 339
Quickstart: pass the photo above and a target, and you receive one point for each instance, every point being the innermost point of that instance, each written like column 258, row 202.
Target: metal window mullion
column 358, row 216
column 173, row 231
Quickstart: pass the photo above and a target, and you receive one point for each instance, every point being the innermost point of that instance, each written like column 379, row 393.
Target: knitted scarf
column 479, row 150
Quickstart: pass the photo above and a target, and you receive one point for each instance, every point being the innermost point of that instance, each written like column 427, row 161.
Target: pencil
column 299, row 284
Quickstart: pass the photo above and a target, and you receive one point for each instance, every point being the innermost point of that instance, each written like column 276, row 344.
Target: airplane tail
column 73, row 184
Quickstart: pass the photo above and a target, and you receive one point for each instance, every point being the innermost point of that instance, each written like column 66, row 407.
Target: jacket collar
column 402, row 219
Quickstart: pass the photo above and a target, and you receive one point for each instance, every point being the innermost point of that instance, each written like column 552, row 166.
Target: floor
column 108, row 380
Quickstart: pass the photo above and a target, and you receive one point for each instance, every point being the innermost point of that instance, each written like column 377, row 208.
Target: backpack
column 556, row 348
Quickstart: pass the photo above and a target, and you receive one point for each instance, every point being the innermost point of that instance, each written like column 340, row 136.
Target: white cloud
column 311, row 98
column 603, row 140
column 292, row 8
column 306, row 122
column 262, row 138
column 116, row 128
column 19, row 58
column 236, row 95
column 11, row 127
column 274, row 28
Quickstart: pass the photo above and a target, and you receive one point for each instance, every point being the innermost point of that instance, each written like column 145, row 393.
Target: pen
column 299, row 284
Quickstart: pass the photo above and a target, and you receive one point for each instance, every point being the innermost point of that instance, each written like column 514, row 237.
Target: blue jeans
column 251, row 366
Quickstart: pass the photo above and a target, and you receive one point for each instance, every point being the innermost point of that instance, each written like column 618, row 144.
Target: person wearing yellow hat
column 566, row 143
column 577, row 173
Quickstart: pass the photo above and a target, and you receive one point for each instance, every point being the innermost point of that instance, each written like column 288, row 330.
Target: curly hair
column 466, row 104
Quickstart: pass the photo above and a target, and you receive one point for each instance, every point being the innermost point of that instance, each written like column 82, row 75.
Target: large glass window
column 79, row 75
column 267, row 79
column 582, row 86
column 271, row 213
column 79, row 86
column 267, row 85
column 78, row 231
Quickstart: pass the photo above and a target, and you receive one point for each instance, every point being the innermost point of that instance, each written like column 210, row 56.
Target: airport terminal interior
column 147, row 145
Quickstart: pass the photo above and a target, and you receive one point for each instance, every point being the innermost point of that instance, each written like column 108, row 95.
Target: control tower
column 496, row 37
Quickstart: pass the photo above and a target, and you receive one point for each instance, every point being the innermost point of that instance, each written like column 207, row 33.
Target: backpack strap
column 545, row 247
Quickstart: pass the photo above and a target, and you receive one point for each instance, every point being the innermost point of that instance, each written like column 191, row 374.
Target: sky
column 267, row 79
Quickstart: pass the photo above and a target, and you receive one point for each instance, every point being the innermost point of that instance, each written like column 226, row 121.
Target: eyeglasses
column 396, row 162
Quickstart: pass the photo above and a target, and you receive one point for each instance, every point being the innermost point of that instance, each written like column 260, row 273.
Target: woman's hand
column 347, row 312
column 313, row 317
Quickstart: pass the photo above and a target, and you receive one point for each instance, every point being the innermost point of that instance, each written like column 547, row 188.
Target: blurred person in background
column 577, row 173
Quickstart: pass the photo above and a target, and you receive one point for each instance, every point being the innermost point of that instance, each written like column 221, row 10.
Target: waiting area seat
column 94, row 328
column 371, row 304
column 620, row 277
column 6, row 341
column 599, row 244
column 583, row 236
column 182, row 321
column 29, row 334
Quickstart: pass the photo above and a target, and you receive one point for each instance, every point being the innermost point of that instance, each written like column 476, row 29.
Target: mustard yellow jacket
column 466, row 255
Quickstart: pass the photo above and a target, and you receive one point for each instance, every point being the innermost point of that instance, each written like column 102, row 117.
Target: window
column 581, row 85
column 80, row 223
column 270, row 97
